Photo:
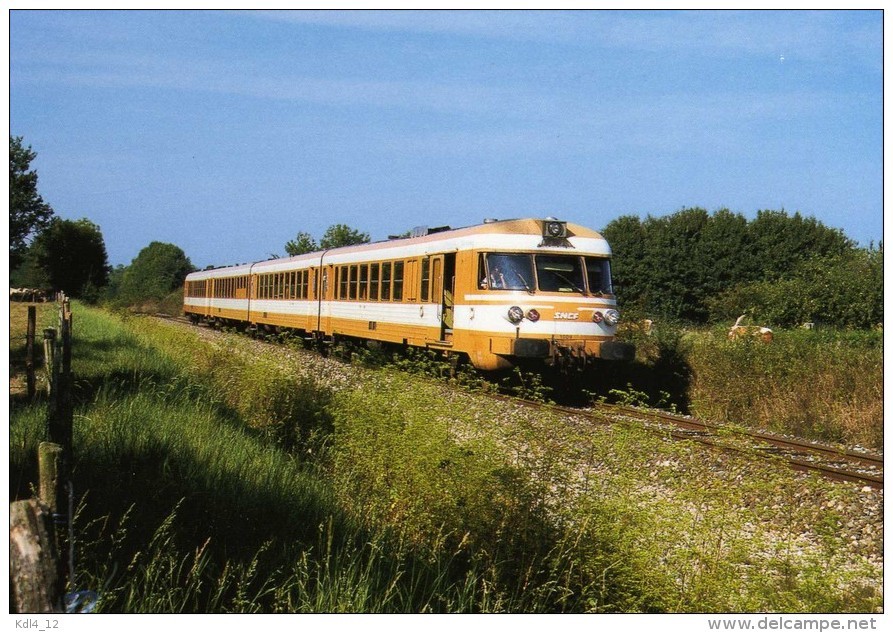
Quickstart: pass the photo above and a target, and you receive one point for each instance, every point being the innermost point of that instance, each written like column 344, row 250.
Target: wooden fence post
column 51, row 469
column 29, row 351
column 49, row 356
column 65, row 402
column 60, row 410
column 35, row 583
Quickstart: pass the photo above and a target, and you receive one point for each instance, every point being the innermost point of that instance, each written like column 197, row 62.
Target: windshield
column 559, row 273
column 554, row 273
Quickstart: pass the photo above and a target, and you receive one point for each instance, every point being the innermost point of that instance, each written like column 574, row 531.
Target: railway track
column 832, row 462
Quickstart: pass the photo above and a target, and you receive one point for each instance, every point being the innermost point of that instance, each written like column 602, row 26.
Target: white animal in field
column 758, row 332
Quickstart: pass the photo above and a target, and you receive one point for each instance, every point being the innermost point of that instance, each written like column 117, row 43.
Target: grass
column 825, row 385
column 212, row 478
column 822, row 385
column 195, row 499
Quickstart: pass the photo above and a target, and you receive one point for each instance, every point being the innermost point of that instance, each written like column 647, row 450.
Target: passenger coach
column 499, row 293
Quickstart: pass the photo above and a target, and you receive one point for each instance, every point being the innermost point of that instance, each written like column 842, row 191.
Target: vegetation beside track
column 824, row 385
column 216, row 476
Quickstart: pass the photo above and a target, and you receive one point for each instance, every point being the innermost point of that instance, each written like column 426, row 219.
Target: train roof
column 520, row 234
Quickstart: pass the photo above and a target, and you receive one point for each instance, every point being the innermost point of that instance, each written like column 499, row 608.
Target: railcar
column 499, row 293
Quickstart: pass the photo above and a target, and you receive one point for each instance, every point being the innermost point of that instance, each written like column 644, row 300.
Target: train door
column 250, row 294
column 443, row 276
column 325, row 289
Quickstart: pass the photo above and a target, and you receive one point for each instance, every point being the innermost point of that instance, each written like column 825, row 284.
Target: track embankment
column 686, row 489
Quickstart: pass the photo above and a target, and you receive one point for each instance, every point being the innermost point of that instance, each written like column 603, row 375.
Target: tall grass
column 197, row 491
column 822, row 385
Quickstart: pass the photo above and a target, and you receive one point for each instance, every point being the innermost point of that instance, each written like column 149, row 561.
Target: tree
column 72, row 256
column 28, row 213
column 674, row 275
column 845, row 290
column 675, row 266
column 626, row 235
column 339, row 235
column 781, row 242
column 336, row 236
column 157, row 270
column 302, row 243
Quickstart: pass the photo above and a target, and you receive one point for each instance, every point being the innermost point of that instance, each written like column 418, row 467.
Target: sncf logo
column 566, row 316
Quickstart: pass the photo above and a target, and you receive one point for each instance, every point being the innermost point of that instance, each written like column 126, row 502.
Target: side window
column 353, row 282
column 373, row 282
column 364, row 281
column 398, row 281
column 426, row 279
column 342, row 282
column 386, row 281
column 483, row 284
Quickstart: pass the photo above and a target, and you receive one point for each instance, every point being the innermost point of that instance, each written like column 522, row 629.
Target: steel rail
column 691, row 429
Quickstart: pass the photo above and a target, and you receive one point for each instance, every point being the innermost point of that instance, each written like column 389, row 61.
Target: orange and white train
column 500, row 293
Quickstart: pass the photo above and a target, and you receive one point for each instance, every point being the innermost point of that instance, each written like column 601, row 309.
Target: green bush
column 843, row 291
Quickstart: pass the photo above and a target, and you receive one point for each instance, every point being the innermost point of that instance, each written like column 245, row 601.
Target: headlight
column 516, row 314
column 555, row 229
column 612, row 317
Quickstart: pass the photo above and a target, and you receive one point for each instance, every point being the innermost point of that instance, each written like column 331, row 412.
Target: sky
column 228, row 132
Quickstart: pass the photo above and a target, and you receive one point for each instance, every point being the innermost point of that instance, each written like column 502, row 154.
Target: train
column 498, row 294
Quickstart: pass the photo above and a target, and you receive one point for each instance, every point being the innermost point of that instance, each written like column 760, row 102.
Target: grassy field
column 825, row 385
column 220, row 476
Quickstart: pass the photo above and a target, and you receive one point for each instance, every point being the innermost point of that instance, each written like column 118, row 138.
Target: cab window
column 560, row 273
column 502, row 271
column 598, row 275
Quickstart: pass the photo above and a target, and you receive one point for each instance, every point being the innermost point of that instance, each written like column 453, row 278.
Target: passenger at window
column 497, row 280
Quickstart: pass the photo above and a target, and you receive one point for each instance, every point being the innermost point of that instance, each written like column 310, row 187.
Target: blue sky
column 226, row 133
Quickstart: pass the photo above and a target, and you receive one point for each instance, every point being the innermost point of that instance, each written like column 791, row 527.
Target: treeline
column 781, row 270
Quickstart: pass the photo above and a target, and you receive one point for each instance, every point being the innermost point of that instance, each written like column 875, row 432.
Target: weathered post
column 35, row 583
column 49, row 356
column 29, row 351
column 53, row 473
column 52, row 484
column 64, row 402
column 60, row 410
